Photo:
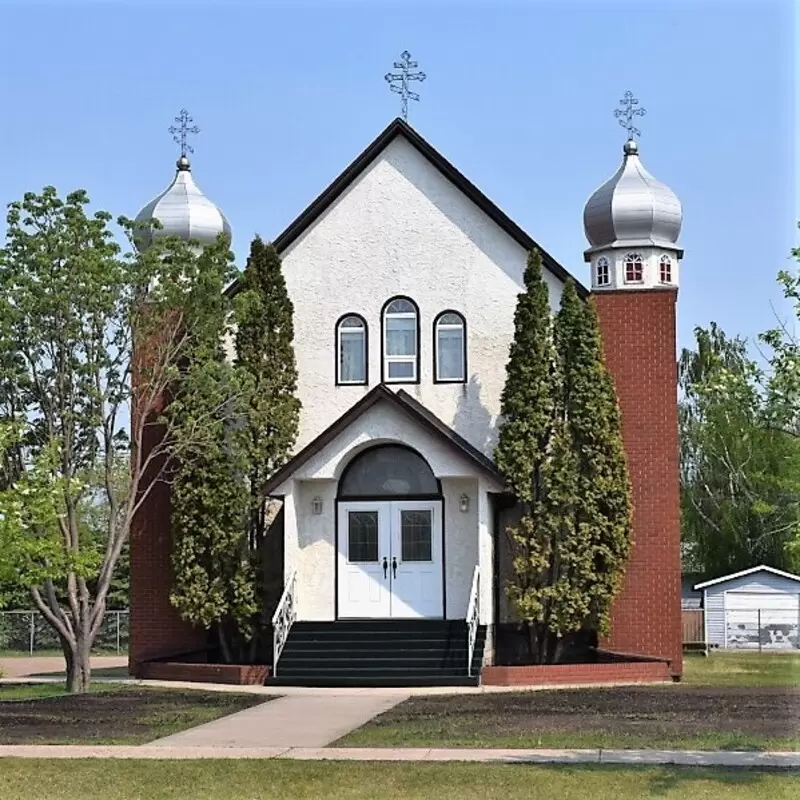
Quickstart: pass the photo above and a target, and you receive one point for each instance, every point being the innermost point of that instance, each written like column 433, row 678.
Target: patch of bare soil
column 128, row 716
column 683, row 711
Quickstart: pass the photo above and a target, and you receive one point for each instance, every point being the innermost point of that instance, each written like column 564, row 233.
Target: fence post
column 33, row 630
column 117, row 615
column 759, row 630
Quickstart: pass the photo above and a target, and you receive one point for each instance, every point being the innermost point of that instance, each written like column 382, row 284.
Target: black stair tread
column 379, row 653
column 340, row 682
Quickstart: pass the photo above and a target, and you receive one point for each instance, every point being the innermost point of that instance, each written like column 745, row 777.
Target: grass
column 40, row 691
column 109, row 714
column 728, row 701
column 731, row 668
column 288, row 780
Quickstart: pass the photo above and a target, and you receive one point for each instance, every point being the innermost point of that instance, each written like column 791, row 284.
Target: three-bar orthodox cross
column 398, row 81
column 626, row 114
column 182, row 130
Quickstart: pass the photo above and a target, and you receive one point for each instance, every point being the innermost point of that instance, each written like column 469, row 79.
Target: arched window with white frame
column 634, row 268
column 449, row 348
column 351, row 350
column 665, row 269
column 400, row 341
column 602, row 272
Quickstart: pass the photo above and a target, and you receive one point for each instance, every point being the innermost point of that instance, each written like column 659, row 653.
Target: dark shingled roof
column 402, row 400
column 400, row 128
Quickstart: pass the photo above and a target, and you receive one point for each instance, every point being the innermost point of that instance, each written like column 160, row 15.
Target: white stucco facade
column 311, row 543
column 402, row 228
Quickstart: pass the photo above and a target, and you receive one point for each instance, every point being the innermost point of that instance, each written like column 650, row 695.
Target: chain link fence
column 27, row 632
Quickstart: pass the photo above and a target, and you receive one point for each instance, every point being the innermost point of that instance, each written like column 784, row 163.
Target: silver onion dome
column 183, row 211
column 632, row 208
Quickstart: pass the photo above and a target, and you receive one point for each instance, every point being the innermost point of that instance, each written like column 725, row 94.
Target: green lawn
column 109, row 714
column 731, row 668
column 288, row 780
column 727, row 702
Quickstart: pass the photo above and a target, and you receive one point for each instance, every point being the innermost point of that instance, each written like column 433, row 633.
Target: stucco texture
column 403, row 229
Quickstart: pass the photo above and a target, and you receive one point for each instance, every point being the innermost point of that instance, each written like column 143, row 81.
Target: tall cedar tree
column 214, row 584
column 566, row 468
column 265, row 363
column 528, row 406
column 603, row 514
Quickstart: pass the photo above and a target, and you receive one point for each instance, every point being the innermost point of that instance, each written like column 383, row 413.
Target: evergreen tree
column 603, row 513
column 526, row 457
column 560, row 450
column 214, row 585
column 267, row 371
column 266, row 362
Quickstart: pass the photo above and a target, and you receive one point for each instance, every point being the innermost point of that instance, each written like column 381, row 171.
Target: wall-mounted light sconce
column 316, row 505
column 463, row 503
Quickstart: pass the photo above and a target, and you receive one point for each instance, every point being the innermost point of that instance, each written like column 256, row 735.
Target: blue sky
column 519, row 96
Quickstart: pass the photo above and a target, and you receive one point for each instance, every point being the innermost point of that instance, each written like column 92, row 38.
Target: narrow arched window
column 665, row 269
column 450, row 348
column 400, row 341
column 351, row 350
column 634, row 268
column 602, row 272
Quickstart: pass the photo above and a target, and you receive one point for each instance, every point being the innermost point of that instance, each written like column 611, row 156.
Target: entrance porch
column 388, row 547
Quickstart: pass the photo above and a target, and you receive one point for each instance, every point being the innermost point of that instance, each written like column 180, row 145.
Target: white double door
column 390, row 559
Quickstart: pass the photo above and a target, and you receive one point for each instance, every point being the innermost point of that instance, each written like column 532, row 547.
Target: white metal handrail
column 473, row 617
column 283, row 619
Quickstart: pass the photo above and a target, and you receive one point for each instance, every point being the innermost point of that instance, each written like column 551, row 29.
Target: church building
column 389, row 546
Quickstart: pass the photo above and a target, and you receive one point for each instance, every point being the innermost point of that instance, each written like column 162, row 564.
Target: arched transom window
column 602, row 272
column 450, row 348
column 351, row 350
column 400, row 341
column 634, row 268
column 388, row 471
column 665, row 269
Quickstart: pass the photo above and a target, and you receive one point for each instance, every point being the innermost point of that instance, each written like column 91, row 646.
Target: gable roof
column 761, row 568
column 407, row 404
column 401, row 128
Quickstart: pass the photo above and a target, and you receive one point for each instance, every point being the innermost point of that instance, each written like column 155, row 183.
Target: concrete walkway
column 296, row 721
column 693, row 758
column 53, row 666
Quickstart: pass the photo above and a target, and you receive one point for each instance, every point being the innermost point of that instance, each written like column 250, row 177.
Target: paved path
column 296, row 721
column 23, row 666
column 694, row 758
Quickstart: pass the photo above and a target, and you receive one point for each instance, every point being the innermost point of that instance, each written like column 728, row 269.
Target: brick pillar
column 639, row 338
column 156, row 629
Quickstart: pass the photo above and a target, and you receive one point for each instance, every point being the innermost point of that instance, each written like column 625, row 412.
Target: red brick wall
column 576, row 674
column 639, row 338
column 235, row 674
column 155, row 627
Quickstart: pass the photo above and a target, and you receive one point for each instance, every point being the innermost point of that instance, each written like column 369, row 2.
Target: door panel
column 408, row 535
column 364, row 541
column 417, row 547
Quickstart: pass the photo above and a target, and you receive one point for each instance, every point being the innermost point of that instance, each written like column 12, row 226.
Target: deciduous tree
column 72, row 307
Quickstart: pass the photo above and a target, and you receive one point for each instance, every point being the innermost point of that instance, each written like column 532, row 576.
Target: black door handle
column 394, row 567
column 385, row 566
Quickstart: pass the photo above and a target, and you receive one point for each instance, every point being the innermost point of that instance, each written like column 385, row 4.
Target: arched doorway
column 389, row 537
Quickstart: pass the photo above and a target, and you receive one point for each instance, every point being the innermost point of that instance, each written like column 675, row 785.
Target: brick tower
column 632, row 223
column 156, row 629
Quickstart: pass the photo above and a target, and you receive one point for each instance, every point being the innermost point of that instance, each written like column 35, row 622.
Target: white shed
column 756, row 607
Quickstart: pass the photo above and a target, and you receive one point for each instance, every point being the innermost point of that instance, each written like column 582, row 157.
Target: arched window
column 400, row 341
column 351, row 350
column 634, row 268
column 665, row 269
column 450, row 348
column 602, row 272
column 388, row 471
